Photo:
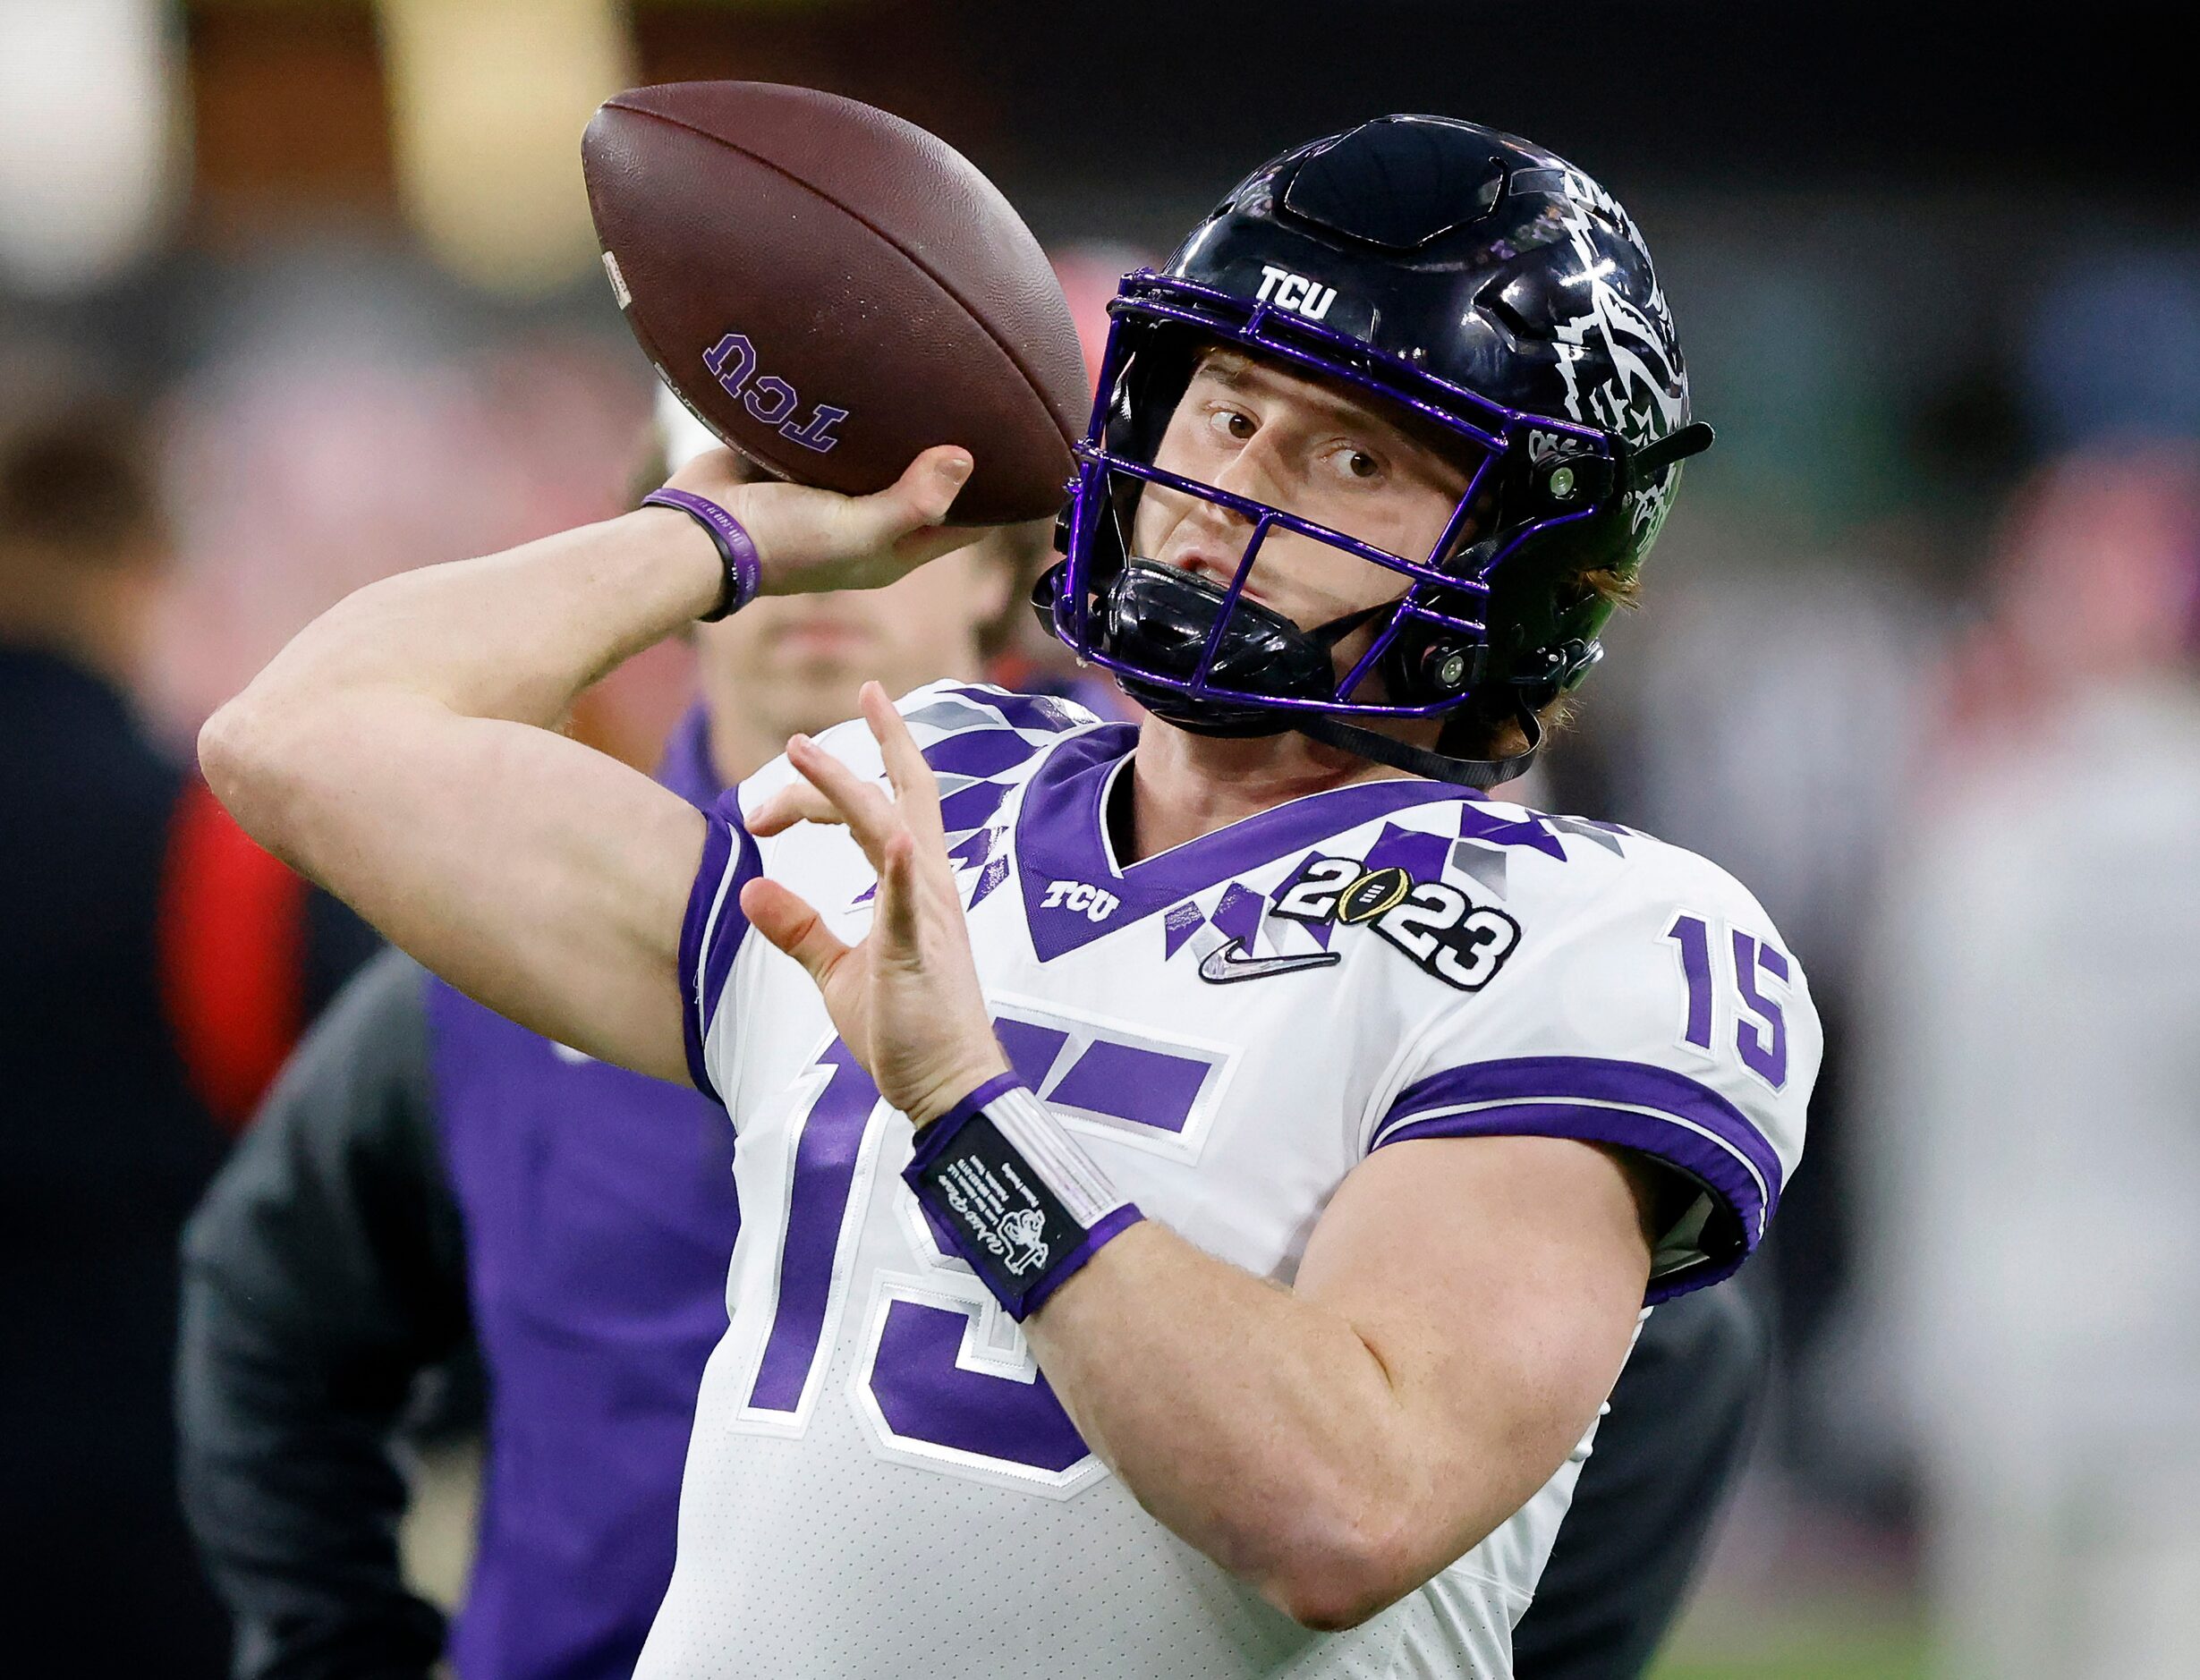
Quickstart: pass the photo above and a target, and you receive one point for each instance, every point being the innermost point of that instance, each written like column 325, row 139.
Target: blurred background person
column 1763, row 714
column 428, row 1176
column 2036, row 1218
column 155, row 968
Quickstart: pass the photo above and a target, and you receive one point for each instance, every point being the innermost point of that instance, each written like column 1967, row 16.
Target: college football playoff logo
column 1445, row 932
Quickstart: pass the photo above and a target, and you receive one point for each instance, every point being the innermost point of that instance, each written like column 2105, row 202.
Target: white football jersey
column 880, row 1481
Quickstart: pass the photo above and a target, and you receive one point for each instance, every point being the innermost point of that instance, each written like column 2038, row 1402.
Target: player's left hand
column 906, row 997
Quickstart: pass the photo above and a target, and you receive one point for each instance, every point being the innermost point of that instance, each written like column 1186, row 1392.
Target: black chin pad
column 1162, row 617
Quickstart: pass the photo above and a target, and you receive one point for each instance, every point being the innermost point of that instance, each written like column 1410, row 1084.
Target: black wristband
column 1002, row 1180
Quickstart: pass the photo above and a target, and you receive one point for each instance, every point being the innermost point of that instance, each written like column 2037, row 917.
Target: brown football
column 832, row 290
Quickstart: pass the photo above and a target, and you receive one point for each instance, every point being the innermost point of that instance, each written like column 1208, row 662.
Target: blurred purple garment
column 599, row 1219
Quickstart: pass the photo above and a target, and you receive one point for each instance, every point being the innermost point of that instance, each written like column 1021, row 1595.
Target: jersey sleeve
column 714, row 930
column 974, row 737
column 1665, row 1017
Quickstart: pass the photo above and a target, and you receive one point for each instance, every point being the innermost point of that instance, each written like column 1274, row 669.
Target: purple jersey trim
column 1653, row 1111
column 1110, row 1226
column 937, row 1135
column 1025, row 711
column 1059, row 837
column 711, row 932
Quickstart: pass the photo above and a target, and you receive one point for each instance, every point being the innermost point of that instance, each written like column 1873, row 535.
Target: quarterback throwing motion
column 1200, row 1180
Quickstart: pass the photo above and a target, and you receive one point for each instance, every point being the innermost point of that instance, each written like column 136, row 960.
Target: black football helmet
column 1471, row 283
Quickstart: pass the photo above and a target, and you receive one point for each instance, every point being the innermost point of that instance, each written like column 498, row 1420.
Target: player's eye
column 1234, row 424
column 1357, row 464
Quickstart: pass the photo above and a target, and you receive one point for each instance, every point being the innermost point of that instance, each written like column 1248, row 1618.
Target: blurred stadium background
column 1920, row 644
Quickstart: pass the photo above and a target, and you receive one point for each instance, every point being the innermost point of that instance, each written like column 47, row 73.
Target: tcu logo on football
column 1097, row 906
column 732, row 362
column 1296, row 293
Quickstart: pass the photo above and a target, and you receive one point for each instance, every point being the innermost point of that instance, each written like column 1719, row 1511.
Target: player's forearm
column 514, row 636
column 1259, row 1426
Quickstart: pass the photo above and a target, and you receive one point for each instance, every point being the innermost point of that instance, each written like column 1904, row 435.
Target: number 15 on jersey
column 1760, row 970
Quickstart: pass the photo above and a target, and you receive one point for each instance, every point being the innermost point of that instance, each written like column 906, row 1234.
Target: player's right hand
column 905, row 997
column 809, row 540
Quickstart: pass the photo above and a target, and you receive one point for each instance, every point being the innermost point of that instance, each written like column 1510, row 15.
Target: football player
column 1200, row 1180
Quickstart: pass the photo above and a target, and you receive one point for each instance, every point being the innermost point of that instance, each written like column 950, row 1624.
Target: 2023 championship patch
column 1435, row 923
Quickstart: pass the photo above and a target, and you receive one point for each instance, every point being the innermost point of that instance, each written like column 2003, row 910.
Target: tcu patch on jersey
column 1097, row 905
column 1434, row 923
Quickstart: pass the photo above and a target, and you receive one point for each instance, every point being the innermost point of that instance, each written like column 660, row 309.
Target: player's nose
column 1260, row 471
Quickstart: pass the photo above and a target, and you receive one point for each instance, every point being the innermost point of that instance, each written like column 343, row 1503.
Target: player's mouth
column 1217, row 568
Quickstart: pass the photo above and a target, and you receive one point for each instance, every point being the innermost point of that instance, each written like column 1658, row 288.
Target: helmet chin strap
column 1399, row 755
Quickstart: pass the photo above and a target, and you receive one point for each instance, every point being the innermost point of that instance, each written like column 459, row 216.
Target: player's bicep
column 1498, row 1281
column 544, row 878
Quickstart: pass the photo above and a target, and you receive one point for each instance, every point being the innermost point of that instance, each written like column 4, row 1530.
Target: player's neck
column 1185, row 785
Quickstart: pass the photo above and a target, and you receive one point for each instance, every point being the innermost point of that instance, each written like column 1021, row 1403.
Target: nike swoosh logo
column 1232, row 961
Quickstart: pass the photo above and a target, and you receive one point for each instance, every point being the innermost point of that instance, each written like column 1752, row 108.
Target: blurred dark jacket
column 154, row 966
column 1679, row 1428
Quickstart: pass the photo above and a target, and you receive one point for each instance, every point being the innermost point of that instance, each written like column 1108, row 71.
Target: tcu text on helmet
column 1082, row 895
column 1296, row 293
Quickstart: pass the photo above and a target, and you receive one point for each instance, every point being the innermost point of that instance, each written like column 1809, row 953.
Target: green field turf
column 1822, row 1644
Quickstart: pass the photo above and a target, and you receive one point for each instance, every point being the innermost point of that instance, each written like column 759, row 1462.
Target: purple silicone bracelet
column 736, row 550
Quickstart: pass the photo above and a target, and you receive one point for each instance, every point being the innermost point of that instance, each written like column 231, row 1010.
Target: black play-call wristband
column 1003, row 1180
